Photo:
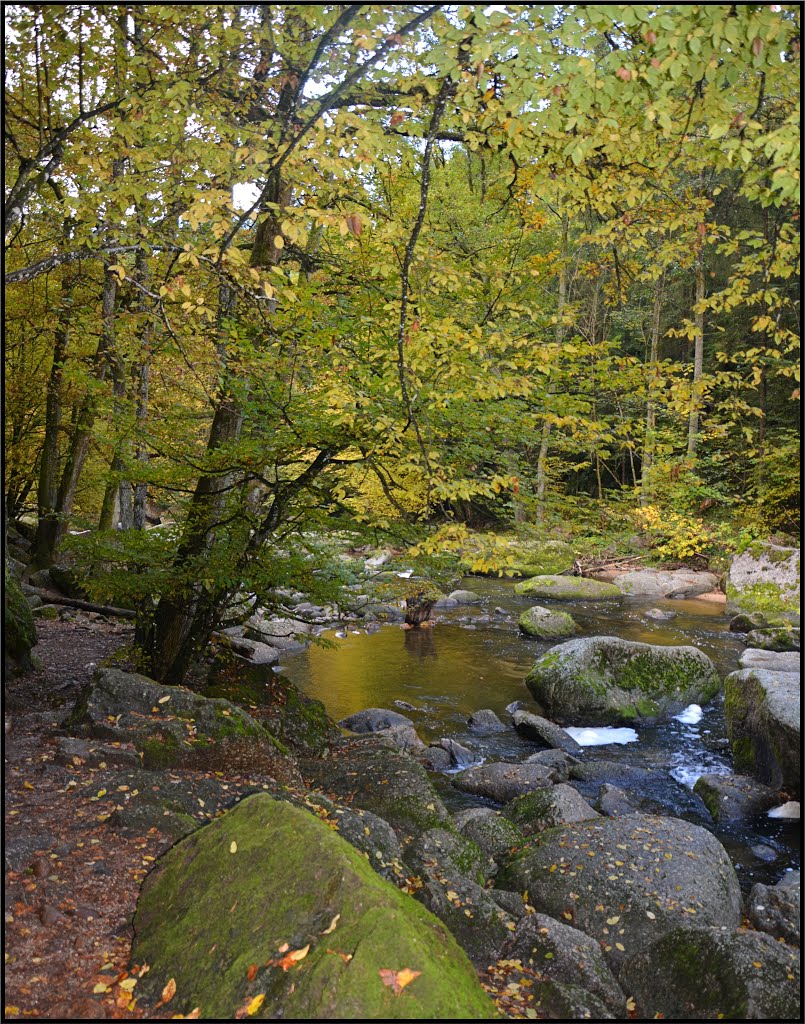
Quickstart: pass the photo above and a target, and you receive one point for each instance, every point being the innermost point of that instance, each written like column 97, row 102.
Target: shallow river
column 475, row 657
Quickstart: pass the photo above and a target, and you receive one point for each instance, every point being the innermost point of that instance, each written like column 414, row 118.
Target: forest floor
column 72, row 881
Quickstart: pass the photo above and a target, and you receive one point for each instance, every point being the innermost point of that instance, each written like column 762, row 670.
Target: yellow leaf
column 613, row 920
column 331, row 928
column 255, row 1004
column 233, row 847
column 163, row 699
column 128, row 984
column 279, row 242
column 169, row 991
column 99, row 988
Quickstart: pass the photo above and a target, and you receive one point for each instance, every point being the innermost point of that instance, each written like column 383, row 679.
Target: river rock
column 451, row 868
column 774, row 638
column 502, row 782
column 659, row 615
column 534, row 727
column 704, row 973
column 246, row 887
column 19, row 631
column 436, row 759
column 465, row 597
column 776, row 909
column 374, row 720
column 665, row 583
column 494, row 834
column 628, row 881
column 375, row 777
column 485, row 723
column 612, row 802
column 560, row 953
column 545, row 624
column 557, row 760
column 744, row 622
column 165, row 723
column 567, row 588
column 765, row 578
column 728, row 797
column 601, row 679
column 762, row 709
column 773, row 661
column 460, row 756
column 546, row 808
column 648, row 789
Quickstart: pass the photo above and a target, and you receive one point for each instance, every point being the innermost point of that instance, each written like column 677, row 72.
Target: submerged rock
column 628, row 881
column 595, row 680
column 647, row 789
column 485, row 723
column 567, row 588
column 704, row 973
column 465, row 597
column 244, row 888
column 533, row 727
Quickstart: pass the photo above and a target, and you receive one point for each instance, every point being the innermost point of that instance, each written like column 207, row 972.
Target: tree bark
column 651, row 403
column 698, row 361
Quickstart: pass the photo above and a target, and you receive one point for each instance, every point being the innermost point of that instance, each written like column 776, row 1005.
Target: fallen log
column 86, row 606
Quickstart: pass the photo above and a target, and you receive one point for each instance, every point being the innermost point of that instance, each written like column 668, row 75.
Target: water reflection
column 420, row 643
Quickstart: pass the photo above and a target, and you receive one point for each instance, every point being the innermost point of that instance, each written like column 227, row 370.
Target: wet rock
column 533, row 727
column 702, row 973
column 545, row 624
column 598, row 680
column 649, row 790
column 660, row 615
column 664, row 583
column 777, row 638
column 502, row 782
column 374, row 777
column 567, row 588
column 744, row 622
column 437, row 759
column 460, row 756
column 762, row 708
column 404, row 738
column 563, row 954
column 247, row 884
column 485, row 723
column 612, row 802
column 445, row 604
column 650, row 874
column 776, row 909
column 374, row 720
column 515, row 705
column 728, row 797
column 546, row 808
column 762, row 852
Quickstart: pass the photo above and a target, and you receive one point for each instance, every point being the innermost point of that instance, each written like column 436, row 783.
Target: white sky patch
column 692, row 715
column 244, row 195
column 599, row 737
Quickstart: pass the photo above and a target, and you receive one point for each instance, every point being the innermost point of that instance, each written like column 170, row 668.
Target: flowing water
column 475, row 657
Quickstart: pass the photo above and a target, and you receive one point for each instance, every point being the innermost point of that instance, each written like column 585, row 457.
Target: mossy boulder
column 493, row 834
column 729, row 797
column 18, row 628
column 165, row 723
column 545, row 624
column 774, row 638
column 601, row 679
column 765, row 578
column 372, row 775
column 705, row 973
column 627, row 881
column 546, row 808
column 246, row 890
column 567, row 588
column 762, row 708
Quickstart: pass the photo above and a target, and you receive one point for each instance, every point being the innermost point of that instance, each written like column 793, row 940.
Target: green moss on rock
column 237, row 891
column 18, row 627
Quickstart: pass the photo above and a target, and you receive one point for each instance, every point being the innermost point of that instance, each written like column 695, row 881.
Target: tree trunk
column 651, row 403
column 698, row 360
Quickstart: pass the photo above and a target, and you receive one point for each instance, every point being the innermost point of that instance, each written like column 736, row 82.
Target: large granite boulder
column 545, row 624
column 166, row 724
column 765, row 578
column 501, row 781
column 728, row 797
column 776, row 909
column 628, row 881
column 240, row 909
column 707, row 973
column 567, row 588
column 601, row 679
column 762, row 708
column 665, row 583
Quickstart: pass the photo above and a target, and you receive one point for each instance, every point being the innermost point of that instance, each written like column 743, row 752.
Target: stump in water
column 417, row 612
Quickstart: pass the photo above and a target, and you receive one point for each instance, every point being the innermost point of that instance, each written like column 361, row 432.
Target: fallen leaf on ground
column 397, row 980
column 292, row 959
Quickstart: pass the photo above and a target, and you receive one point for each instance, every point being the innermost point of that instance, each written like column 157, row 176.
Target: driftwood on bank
column 86, row 606
column 588, row 566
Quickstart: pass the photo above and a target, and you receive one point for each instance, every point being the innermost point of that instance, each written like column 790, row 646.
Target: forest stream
column 475, row 657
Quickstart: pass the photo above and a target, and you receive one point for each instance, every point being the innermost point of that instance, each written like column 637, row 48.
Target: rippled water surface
column 475, row 657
